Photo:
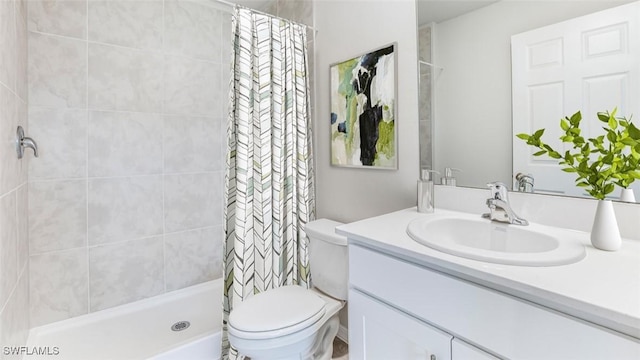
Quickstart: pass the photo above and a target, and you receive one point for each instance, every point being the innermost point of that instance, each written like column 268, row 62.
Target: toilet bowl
column 289, row 322
column 292, row 322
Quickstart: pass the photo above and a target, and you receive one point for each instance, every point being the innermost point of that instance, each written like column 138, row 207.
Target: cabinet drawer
column 380, row 332
column 463, row 351
column 506, row 325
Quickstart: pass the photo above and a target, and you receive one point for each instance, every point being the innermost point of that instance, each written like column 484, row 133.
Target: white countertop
column 603, row 288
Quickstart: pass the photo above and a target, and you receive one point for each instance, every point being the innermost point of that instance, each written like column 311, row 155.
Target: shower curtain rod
column 228, row 3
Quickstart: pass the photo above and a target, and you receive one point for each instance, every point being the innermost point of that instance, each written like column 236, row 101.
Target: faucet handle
column 498, row 191
column 23, row 141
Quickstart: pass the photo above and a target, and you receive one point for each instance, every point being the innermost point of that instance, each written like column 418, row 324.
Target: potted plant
column 599, row 163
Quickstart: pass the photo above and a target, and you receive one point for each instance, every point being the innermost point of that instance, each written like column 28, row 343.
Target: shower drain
column 180, row 325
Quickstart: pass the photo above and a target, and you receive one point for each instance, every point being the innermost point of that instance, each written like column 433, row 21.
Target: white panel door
column 591, row 64
column 380, row 332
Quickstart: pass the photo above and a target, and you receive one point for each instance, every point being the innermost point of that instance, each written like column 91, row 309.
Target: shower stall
column 127, row 101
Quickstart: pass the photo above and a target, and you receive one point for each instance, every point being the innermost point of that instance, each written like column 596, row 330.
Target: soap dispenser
column 448, row 178
column 425, row 191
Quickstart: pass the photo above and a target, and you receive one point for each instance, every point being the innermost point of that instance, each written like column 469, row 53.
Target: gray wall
column 347, row 194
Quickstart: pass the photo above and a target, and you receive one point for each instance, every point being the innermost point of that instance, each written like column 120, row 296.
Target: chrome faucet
column 524, row 182
column 499, row 208
column 23, row 142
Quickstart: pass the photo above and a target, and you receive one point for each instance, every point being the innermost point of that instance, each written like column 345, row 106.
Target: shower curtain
column 269, row 174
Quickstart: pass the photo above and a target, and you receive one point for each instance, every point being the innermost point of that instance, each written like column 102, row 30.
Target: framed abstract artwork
column 363, row 111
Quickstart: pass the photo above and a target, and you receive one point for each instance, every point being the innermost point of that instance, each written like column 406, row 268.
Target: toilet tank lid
column 324, row 229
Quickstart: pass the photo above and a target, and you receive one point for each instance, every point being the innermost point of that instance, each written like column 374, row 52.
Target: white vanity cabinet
column 401, row 310
column 462, row 350
column 378, row 331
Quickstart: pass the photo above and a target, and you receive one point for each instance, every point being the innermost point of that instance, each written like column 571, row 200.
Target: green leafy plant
column 599, row 163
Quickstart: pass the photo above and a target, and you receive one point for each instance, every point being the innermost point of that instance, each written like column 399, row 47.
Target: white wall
column 347, row 29
column 473, row 93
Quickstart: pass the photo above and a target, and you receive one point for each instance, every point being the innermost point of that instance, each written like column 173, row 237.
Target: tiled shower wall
column 300, row 11
column 14, row 261
column 425, row 97
column 127, row 103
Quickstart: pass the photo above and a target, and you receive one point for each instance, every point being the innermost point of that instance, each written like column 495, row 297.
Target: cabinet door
column 377, row 331
column 460, row 350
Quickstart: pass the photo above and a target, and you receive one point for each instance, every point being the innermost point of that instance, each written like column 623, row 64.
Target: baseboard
column 343, row 334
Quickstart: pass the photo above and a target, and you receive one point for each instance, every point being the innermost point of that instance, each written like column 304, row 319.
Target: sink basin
column 484, row 240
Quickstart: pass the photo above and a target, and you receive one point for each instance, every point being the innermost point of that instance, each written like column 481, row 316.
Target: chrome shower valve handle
column 23, row 141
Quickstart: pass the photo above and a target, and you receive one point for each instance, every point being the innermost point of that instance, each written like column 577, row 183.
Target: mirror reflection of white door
column 591, row 64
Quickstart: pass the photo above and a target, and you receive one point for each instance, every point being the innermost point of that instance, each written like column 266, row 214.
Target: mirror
column 466, row 81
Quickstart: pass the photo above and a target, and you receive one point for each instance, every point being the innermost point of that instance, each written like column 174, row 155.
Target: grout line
column 10, row 91
column 17, row 217
column 206, row 172
column 14, row 289
column 145, row 237
column 17, row 250
column 104, row 244
column 24, row 183
column 164, row 96
column 88, row 119
column 15, row 46
column 156, row 52
column 162, row 113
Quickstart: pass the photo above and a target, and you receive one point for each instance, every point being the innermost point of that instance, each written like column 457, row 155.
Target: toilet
column 292, row 322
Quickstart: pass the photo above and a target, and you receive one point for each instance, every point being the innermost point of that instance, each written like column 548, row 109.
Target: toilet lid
column 276, row 312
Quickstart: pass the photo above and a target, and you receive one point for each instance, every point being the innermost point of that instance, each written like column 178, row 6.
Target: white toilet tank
column 328, row 258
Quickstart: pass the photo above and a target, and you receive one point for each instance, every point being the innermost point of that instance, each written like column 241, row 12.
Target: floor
column 340, row 350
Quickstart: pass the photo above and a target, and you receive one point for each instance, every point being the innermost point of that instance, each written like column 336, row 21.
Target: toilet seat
column 276, row 313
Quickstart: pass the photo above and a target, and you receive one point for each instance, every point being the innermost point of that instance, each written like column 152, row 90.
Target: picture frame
column 363, row 100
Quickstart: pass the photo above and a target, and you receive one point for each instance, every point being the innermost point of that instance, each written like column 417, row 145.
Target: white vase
column 627, row 195
column 605, row 234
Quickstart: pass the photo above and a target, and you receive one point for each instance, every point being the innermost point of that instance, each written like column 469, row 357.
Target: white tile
column 227, row 41
column 192, row 87
column 299, row 11
column 22, row 212
column 271, row 8
column 193, row 257
column 7, row 44
column 129, row 23
column 57, row 71
column 122, row 143
column 57, row 215
column 9, row 164
column 125, row 272
column 192, row 201
column 225, row 70
column 124, row 79
column 21, row 49
column 192, row 29
column 14, row 320
column 8, row 246
column 59, row 17
column 192, row 144
column 61, row 135
column 124, row 208
column 58, row 286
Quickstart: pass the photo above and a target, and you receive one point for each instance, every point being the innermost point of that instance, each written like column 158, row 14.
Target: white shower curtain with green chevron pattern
column 269, row 174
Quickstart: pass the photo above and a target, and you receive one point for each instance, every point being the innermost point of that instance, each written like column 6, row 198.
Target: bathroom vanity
column 409, row 301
